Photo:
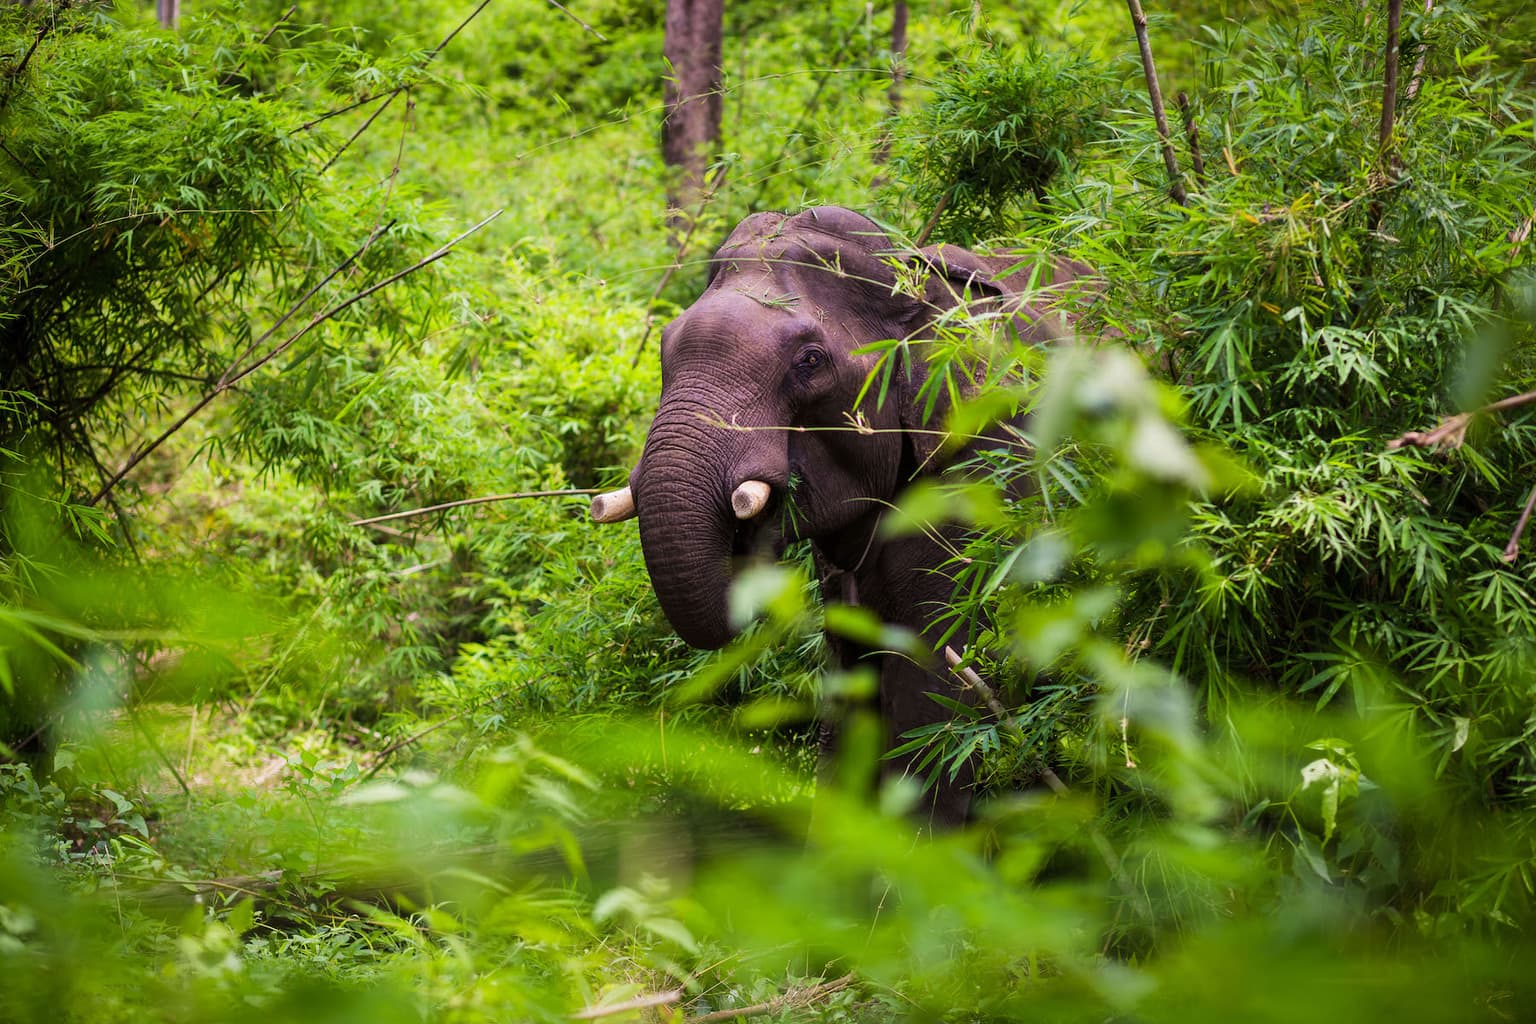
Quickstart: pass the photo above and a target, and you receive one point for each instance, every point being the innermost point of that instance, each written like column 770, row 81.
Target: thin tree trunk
column 690, row 129
column 1192, row 134
column 1389, row 80
column 1387, row 163
column 168, row 11
column 1159, row 112
column 1418, row 65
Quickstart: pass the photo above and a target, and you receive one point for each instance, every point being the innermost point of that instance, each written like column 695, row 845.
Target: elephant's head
column 757, row 439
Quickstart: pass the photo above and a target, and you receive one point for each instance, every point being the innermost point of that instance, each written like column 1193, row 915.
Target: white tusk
column 614, row 507
column 750, row 499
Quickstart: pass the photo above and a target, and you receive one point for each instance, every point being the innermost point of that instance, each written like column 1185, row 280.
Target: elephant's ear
column 943, row 277
column 922, row 435
column 953, row 275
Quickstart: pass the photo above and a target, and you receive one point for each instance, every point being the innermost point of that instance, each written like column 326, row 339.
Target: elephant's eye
column 810, row 359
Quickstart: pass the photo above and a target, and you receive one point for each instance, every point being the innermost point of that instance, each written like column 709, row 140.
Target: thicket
column 1257, row 686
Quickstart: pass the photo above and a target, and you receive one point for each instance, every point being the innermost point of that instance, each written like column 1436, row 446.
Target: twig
column 1453, row 431
column 710, row 191
column 1192, row 133
column 1053, row 781
column 1512, row 549
column 229, row 76
column 640, row 1002
column 933, row 218
column 1149, row 69
column 795, row 997
column 388, row 99
column 397, row 90
column 160, row 753
column 345, row 304
column 18, row 160
column 231, row 378
column 13, row 74
column 232, row 374
column 898, row 76
column 383, row 756
column 346, row 109
column 973, row 680
column 570, row 492
column 394, row 170
column 568, row 14
column 807, row 110
column 226, row 377
column 251, row 885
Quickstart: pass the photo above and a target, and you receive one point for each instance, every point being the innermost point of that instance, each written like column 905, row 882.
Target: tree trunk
column 169, row 12
column 690, row 130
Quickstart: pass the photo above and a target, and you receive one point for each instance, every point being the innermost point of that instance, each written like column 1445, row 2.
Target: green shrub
column 998, row 130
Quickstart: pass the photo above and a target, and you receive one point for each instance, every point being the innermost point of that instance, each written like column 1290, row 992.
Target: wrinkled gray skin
column 769, row 345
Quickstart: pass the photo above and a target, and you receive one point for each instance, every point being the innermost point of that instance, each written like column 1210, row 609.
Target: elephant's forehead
column 811, row 261
column 760, row 321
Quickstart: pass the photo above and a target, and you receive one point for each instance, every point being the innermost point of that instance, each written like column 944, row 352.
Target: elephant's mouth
column 763, row 537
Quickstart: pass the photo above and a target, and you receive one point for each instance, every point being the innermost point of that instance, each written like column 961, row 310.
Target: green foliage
column 1313, row 306
column 1265, row 747
column 148, row 200
column 997, row 131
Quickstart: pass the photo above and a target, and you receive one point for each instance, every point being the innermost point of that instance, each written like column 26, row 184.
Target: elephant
column 752, row 445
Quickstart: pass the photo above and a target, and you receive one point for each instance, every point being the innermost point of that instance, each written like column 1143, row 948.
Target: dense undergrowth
column 1269, row 749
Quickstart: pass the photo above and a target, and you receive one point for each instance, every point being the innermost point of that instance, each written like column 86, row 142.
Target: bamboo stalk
column 1192, row 133
column 1389, row 84
column 1417, row 78
column 1159, row 112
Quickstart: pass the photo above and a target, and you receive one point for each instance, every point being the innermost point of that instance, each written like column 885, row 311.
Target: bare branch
column 232, row 376
column 1512, row 549
column 13, row 74
column 397, row 90
column 933, row 218
column 795, row 997
column 320, row 318
column 563, row 10
column 1453, row 431
column 898, row 76
column 229, row 76
column 574, row 492
column 973, row 681
column 340, row 268
column 346, row 109
column 710, row 191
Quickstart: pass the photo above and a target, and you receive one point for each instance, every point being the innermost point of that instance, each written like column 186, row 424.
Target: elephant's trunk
column 686, row 530
column 704, row 496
